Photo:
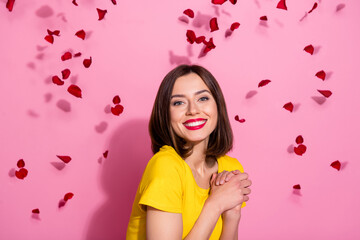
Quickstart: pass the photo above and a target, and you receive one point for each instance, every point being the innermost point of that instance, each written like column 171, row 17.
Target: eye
column 177, row 103
column 203, row 99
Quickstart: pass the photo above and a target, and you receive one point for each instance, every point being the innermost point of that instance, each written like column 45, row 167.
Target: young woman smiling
column 190, row 188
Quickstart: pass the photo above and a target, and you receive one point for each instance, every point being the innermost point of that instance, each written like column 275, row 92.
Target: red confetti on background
column 20, row 163
column 219, row 2
column 300, row 150
column 209, row 45
column 22, row 173
column 56, row 32
column 36, row 211
column 325, row 93
column 75, row 3
column 66, row 56
column 49, row 38
column 65, row 73
column 81, row 34
column 77, row 54
column 65, row 159
column 309, row 49
column 234, row 26
column 233, row 1
column 105, row 154
column 68, row 196
column 315, row 6
column 263, row 82
column 281, row 5
column 336, row 164
column 297, row 186
column 213, row 24
column 57, row 80
column 87, row 62
column 321, row 74
column 10, row 5
column 101, row 13
column 189, row 13
column 116, row 99
column 289, row 106
column 263, row 18
column 117, row 110
column 238, row 119
column 190, row 34
column 74, row 90
column 299, row 139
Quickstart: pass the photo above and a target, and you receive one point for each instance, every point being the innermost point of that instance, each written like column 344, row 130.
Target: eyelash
column 177, row 103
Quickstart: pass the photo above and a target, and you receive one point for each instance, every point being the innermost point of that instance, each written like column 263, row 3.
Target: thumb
column 212, row 178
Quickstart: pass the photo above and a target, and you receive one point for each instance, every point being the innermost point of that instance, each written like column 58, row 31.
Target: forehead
column 189, row 84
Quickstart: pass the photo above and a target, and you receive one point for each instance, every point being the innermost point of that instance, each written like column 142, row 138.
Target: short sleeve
column 161, row 184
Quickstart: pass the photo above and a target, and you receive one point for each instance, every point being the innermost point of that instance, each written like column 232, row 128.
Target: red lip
column 195, row 120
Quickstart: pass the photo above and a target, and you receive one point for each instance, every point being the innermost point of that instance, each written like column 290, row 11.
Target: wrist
column 213, row 206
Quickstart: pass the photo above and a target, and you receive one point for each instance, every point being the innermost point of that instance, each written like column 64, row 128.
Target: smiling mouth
column 195, row 124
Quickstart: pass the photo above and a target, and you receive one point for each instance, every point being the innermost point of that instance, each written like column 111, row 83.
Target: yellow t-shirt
column 168, row 185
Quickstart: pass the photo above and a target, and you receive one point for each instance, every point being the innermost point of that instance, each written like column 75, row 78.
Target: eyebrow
column 182, row 95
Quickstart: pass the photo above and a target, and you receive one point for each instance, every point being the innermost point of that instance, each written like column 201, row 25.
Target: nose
column 192, row 109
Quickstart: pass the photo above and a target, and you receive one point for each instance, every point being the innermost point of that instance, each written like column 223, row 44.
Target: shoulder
column 229, row 163
column 166, row 160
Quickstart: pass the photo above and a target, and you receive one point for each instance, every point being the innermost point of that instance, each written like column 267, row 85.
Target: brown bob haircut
column 161, row 132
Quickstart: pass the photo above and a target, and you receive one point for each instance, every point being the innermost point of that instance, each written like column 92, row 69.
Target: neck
column 196, row 160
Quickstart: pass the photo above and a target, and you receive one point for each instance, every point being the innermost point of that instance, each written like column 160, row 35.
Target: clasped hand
column 230, row 190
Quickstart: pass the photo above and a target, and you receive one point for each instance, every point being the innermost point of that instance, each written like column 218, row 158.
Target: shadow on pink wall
column 129, row 152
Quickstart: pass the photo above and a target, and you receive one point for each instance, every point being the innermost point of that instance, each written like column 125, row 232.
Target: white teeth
column 194, row 124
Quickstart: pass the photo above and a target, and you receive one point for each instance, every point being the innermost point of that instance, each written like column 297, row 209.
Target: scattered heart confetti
column 299, row 139
column 87, row 62
column 281, row 5
column 315, row 6
column 36, row 211
column 234, row 26
column 117, row 110
column 325, row 93
column 219, row 2
column 10, row 5
column 65, row 159
column 77, row 54
column 66, row 56
column 200, row 39
column 233, row 1
column 65, row 73
column 209, row 45
column 340, row 6
column 75, row 3
column 113, row 1
column 22, row 173
column 300, row 150
column 20, row 163
column 105, row 154
column 49, row 38
column 68, row 196
column 309, row 49
column 56, row 32
column 213, row 24
column 263, row 18
column 336, row 164
column 289, row 106
column 116, row 99
column 190, row 36
column 189, row 13
column 263, row 82
column 81, row 34
column 238, row 119
column 297, row 186
column 321, row 74
column 57, row 80
column 74, row 90
column 101, row 13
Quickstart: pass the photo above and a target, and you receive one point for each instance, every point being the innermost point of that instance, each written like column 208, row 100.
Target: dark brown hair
column 161, row 132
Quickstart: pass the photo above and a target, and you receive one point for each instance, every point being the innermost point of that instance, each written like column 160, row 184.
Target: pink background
column 132, row 49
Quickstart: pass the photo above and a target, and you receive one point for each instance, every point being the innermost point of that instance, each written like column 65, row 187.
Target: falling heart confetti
column 242, row 120
column 289, row 106
column 117, row 110
column 189, row 13
column 263, row 18
column 101, row 13
column 74, row 90
column 213, row 25
column 49, row 38
column 336, row 164
column 81, row 34
column 10, row 5
column 219, row 2
column 263, row 82
column 300, row 150
column 20, row 163
column 105, row 154
column 281, row 5
column 77, row 54
column 57, row 80
column 321, row 74
column 297, row 186
column 113, row 1
column 116, row 99
column 36, row 211
column 190, row 34
column 315, row 6
column 66, row 56
column 75, row 3
column 233, row 1
column 299, row 139
column 209, row 45
column 68, row 196
column 22, row 173
column 65, row 73
column 65, row 159
column 325, row 93
column 309, row 49
column 55, row 32
column 234, row 26
column 87, row 62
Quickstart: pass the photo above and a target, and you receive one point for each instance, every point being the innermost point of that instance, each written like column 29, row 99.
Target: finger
column 236, row 172
column 218, row 178
column 245, row 183
column 243, row 176
column 224, row 176
column 246, row 191
column 246, row 198
column 231, row 174
column 213, row 178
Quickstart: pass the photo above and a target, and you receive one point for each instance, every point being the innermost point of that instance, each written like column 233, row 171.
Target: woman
column 190, row 189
